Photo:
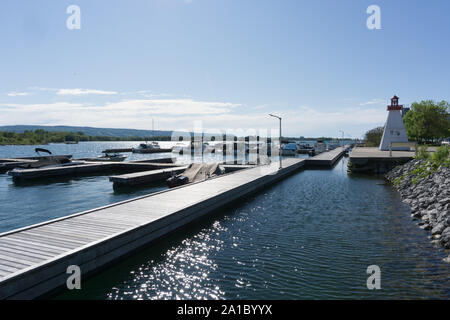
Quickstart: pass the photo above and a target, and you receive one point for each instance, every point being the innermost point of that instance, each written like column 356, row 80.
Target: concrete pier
column 373, row 160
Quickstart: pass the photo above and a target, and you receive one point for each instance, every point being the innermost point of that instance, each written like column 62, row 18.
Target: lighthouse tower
column 394, row 131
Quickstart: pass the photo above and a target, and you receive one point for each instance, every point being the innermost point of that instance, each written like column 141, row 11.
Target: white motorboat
column 333, row 145
column 304, row 147
column 289, row 149
column 147, row 147
column 320, row 146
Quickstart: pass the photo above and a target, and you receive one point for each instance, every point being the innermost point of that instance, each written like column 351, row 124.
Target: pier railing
column 404, row 145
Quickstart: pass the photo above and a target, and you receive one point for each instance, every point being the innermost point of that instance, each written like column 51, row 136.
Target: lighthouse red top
column 394, row 104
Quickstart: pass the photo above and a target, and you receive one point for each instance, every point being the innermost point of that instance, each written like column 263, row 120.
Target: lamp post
column 342, row 138
column 279, row 151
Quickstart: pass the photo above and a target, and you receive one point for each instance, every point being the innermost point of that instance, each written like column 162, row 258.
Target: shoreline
column 427, row 192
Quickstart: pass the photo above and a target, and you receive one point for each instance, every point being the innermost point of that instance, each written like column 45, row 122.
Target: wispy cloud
column 18, row 94
column 373, row 102
column 78, row 91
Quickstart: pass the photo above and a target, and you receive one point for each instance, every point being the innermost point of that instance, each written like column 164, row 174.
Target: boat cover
column 199, row 171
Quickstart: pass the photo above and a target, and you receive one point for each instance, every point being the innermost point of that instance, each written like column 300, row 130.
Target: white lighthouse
column 394, row 131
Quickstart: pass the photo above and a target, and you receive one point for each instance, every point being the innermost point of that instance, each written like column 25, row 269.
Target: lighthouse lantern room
column 394, row 130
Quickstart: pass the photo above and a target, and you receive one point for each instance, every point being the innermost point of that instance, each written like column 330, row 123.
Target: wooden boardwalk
column 34, row 259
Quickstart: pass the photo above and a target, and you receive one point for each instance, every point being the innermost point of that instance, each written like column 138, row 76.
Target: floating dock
column 373, row 160
column 140, row 178
column 161, row 150
column 34, row 259
column 91, row 168
column 326, row 159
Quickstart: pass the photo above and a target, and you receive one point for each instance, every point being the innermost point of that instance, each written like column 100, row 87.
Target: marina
column 246, row 152
column 74, row 231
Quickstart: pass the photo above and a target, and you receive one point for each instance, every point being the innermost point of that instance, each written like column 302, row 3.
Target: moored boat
column 289, row 149
column 147, row 148
column 194, row 173
column 108, row 157
column 319, row 147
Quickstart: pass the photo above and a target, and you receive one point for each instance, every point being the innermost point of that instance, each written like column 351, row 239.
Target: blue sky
column 227, row 63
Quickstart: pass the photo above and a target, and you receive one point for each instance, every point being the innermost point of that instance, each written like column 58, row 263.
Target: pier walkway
column 34, row 259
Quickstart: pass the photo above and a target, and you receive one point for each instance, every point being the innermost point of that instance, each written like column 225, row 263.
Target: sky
column 222, row 65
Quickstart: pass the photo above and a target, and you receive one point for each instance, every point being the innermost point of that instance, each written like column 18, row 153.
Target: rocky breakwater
column 426, row 188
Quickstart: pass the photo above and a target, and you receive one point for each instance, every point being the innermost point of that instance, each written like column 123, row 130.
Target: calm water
column 26, row 203
column 311, row 236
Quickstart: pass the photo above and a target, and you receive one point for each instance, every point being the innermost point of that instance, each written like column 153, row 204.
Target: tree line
column 40, row 136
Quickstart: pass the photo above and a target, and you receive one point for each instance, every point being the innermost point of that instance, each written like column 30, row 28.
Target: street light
column 279, row 151
column 342, row 138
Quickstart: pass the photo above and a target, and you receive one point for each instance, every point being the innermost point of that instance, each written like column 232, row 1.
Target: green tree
column 428, row 121
column 373, row 137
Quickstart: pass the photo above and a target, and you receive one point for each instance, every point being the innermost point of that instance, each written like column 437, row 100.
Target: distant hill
column 108, row 132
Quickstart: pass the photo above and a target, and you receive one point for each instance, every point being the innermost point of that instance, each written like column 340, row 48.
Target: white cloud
column 78, row 91
column 173, row 107
column 18, row 94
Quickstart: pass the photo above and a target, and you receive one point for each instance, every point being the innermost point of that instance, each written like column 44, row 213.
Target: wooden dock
column 34, row 259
